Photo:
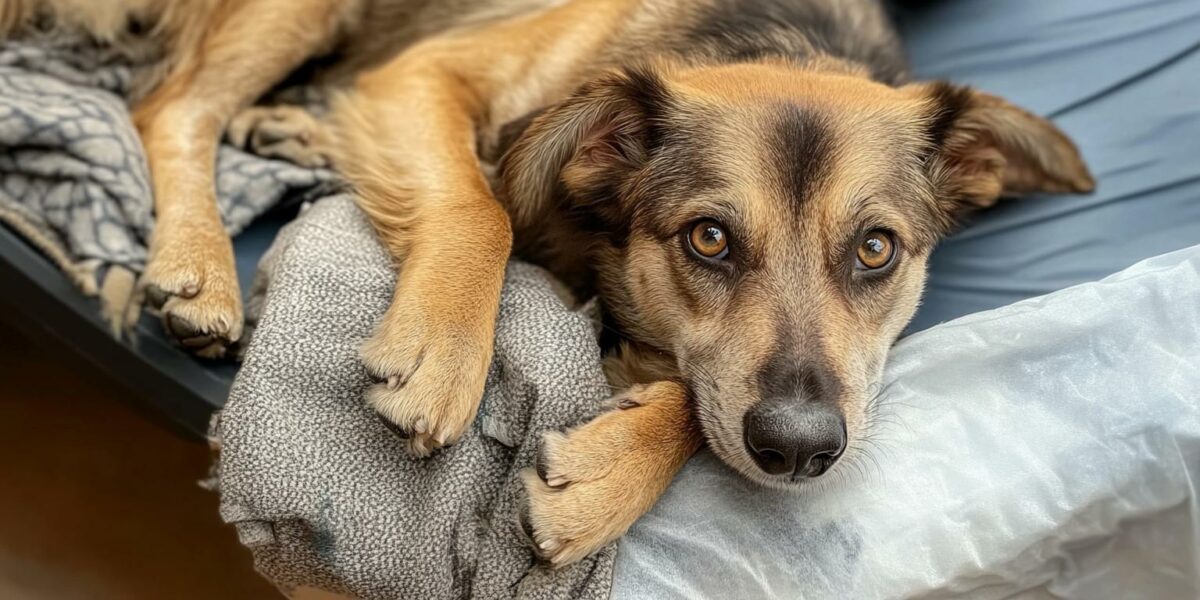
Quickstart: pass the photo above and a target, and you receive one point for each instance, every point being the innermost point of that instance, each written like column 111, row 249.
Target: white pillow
column 1050, row 448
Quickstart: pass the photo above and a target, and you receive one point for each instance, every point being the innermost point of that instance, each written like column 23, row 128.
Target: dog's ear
column 582, row 149
column 984, row 148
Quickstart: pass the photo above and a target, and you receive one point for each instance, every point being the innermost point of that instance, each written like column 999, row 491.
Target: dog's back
column 129, row 26
column 365, row 32
column 797, row 30
column 370, row 31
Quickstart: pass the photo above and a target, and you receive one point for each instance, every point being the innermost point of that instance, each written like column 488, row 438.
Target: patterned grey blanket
column 73, row 178
column 322, row 491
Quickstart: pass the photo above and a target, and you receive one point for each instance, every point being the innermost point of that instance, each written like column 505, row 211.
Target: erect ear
column 582, row 149
column 985, row 148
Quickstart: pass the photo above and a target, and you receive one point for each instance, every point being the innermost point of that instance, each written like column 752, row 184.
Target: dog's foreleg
column 407, row 142
column 249, row 46
column 592, row 482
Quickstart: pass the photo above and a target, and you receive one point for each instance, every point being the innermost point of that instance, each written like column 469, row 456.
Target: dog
column 752, row 188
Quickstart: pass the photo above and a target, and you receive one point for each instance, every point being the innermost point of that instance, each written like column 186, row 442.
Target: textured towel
column 322, row 492
column 73, row 178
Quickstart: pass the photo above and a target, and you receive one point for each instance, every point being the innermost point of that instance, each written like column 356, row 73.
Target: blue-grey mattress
column 1122, row 77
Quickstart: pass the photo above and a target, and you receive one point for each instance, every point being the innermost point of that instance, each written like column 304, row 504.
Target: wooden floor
column 97, row 501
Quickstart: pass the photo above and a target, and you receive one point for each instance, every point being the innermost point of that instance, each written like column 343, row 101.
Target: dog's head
column 768, row 226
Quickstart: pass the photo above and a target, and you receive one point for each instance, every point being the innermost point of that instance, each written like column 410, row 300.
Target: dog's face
column 768, row 226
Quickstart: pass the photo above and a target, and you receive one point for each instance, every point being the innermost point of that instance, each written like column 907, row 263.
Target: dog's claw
column 156, row 296
column 182, row 329
column 525, row 526
column 420, row 447
column 396, row 429
column 200, row 341
column 539, row 465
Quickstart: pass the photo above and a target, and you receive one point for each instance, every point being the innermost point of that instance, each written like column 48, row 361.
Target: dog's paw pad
column 283, row 132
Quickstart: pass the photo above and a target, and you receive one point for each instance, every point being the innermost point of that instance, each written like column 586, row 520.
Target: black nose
column 789, row 436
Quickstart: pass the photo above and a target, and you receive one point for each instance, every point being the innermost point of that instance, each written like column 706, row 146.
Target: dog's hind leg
column 592, row 482
column 249, row 46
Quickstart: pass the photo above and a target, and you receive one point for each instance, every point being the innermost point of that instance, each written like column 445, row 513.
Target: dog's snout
column 787, row 436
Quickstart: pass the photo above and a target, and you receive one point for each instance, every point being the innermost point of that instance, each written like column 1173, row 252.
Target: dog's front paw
column 430, row 372
column 191, row 279
column 591, row 483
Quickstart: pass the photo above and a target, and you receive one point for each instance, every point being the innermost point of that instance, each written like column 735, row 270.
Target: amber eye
column 708, row 239
column 876, row 250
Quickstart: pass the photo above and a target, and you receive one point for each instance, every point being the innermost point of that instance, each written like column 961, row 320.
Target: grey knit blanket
column 73, row 177
column 322, row 491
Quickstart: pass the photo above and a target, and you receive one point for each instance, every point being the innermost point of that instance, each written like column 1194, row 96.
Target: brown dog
column 752, row 187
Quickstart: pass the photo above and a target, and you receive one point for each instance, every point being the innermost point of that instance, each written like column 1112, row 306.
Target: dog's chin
column 778, row 482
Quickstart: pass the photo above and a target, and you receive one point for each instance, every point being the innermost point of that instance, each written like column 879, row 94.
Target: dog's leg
column 249, row 47
column 407, row 141
column 593, row 482
column 410, row 151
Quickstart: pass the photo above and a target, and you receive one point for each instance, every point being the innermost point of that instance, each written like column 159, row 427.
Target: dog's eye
column 876, row 250
column 708, row 239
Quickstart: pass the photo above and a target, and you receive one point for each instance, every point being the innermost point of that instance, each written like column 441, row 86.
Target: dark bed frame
column 39, row 301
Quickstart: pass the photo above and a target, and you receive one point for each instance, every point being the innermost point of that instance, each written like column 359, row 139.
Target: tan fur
column 1000, row 149
column 602, row 476
column 284, row 132
column 191, row 258
column 422, row 185
column 854, row 339
column 872, row 124
column 427, row 87
column 157, row 35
